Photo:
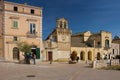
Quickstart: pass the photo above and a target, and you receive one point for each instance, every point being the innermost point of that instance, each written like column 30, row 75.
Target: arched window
column 107, row 43
column 60, row 24
column 65, row 25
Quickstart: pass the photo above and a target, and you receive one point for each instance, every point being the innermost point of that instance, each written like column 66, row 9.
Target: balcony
column 32, row 34
column 106, row 48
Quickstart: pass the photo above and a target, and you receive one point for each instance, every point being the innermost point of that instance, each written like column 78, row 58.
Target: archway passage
column 82, row 55
column 90, row 55
column 98, row 56
column 16, row 55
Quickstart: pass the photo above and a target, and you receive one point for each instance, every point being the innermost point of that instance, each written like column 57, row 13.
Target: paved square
column 54, row 71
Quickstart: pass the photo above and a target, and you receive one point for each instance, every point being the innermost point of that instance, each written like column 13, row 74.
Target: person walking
column 33, row 56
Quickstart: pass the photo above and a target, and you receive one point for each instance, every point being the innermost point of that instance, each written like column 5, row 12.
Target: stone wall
column 105, row 63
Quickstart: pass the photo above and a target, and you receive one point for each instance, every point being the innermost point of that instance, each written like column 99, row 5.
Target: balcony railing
column 106, row 48
column 32, row 35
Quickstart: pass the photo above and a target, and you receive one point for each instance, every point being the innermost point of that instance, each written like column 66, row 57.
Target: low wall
column 105, row 63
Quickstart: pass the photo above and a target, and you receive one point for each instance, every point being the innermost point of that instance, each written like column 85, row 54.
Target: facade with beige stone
column 89, row 46
column 58, row 44
column 116, row 46
column 19, row 23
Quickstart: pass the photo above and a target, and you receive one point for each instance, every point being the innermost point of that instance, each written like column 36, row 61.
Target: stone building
column 115, row 49
column 89, row 46
column 19, row 23
column 58, row 44
column 116, row 46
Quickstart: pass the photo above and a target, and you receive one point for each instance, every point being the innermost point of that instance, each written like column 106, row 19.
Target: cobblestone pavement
column 54, row 71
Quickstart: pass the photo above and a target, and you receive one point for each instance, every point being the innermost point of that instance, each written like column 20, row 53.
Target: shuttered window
column 15, row 24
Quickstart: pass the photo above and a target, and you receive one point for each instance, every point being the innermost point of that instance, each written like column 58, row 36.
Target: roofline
column 26, row 5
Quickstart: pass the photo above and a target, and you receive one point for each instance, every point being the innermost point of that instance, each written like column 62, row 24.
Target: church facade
column 89, row 46
column 92, row 46
column 58, row 43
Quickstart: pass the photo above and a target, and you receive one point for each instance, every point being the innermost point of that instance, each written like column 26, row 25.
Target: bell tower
column 62, row 23
column 63, row 36
column 61, row 40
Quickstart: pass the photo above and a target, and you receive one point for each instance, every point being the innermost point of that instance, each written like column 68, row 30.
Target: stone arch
column 16, row 55
column 82, row 55
column 89, row 55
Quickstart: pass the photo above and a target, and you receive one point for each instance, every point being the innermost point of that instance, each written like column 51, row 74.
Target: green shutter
column 15, row 24
column 38, row 53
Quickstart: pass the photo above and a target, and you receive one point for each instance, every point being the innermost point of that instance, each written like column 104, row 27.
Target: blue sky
column 82, row 15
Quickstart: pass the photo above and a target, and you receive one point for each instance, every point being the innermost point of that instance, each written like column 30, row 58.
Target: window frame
column 107, row 43
column 15, row 38
column 15, row 8
column 31, row 28
column 14, row 24
column 32, row 11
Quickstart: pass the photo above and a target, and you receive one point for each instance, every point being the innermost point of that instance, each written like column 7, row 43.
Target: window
column 65, row 25
column 32, row 11
column 32, row 28
column 107, row 43
column 15, row 8
column 14, row 38
column 60, row 24
column 15, row 24
column 99, row 44
column 113, row 51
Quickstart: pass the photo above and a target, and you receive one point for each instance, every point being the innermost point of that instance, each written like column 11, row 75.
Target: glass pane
column 31, row 28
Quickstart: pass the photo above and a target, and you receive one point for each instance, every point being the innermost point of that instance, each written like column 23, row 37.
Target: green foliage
column 24, row 47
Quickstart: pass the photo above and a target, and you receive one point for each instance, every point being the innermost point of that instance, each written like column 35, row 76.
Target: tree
column 24, row 47
column 73, row 56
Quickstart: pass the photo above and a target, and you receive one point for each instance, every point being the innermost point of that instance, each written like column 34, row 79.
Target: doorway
column 16, row 55
column 98, row 56
column 50, row 56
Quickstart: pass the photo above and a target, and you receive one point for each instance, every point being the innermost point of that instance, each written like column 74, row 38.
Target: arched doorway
column 16, row 55
column 90, row 55
column 82, row 55
column 98, row 56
